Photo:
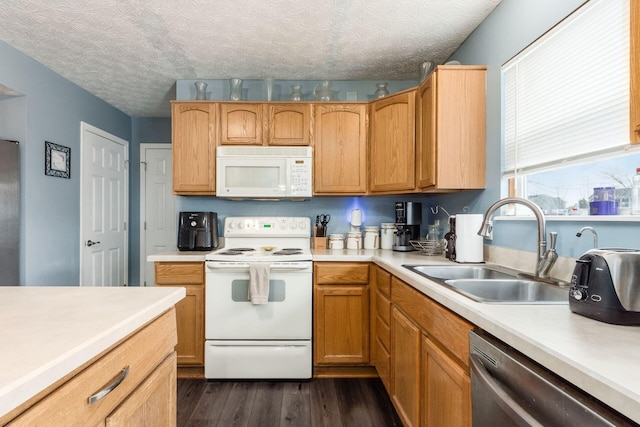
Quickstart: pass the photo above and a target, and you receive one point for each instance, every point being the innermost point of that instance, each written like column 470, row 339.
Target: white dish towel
column 259, row 283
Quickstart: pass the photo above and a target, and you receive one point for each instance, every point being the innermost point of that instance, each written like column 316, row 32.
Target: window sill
column 572, row 218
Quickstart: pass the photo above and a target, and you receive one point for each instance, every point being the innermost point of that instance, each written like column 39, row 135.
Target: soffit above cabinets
column 130, row 53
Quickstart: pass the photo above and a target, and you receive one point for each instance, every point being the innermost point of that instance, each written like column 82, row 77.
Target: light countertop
column 597, row 357
column 48, row 332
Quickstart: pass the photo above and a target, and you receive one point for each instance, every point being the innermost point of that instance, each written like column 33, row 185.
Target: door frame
column 143, row 203
column 86, row 127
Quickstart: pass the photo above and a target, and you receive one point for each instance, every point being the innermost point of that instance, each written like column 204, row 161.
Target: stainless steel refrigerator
column 9, row 213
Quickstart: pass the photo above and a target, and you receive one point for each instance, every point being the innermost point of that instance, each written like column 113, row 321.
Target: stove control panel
column 280, row 226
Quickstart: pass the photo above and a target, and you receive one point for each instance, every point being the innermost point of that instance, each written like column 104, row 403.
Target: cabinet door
column 153, row 403
column 193, row 147
column 451, row 132
column 341, row 325
column 446, row 389
column 425, row 134
column 241, row 124
column 189, row 311
column 190, row 323
column 405, row 368
column 288, row 124
column 340, row 149
column 392, row 152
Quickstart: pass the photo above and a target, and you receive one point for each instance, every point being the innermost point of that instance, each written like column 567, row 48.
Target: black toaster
column 605, row 286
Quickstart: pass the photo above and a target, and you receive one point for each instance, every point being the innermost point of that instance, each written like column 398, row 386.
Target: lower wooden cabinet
column 341, row 314
column 381, row 324
column 153, row 403
column 405, row 368
column 189, row 311
column 145, row 366
column 429, row 360
column 446, row 389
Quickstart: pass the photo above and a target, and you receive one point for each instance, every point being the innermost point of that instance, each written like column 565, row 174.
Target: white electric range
column 268, row 341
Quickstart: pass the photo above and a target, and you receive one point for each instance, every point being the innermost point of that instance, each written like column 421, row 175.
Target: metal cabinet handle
column 91, row 243
column 109, row 387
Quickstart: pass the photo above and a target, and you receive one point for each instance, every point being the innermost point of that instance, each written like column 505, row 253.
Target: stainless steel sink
column 447, row 272
column 492, row 284
column 511, row 291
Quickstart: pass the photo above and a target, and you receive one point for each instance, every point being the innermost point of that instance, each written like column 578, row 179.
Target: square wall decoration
column 57, row 160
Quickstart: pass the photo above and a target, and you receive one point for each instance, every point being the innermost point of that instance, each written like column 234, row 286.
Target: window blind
column 566, row 96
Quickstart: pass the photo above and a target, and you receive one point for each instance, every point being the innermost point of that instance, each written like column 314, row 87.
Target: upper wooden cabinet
column 340, row 149
column 241, row 124
column 450, row 129
column 392, row 144
column 288, row 124
column 193, row 138
column 635, row 72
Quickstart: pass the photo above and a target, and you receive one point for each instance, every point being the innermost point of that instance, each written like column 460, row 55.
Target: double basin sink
column 493, row 284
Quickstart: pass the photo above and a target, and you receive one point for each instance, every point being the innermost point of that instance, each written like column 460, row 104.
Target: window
column 566, row 111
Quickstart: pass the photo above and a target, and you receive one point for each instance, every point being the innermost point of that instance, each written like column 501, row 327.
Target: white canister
column 354, row 240
column 371, row 237
column 336, row 241
column 387, row 233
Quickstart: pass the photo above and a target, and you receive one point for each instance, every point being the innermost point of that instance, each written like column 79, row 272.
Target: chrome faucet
column 593, row 231
column 546, row 258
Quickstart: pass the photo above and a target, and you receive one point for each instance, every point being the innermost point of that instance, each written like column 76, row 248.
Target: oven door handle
column 214, row 266
column 517, row 413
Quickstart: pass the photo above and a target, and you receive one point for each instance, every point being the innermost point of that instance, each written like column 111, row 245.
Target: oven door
column 231, row 316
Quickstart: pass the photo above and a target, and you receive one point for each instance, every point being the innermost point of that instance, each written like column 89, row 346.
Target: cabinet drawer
column 179, row 273
column 383, row 333
column 447, row 328
column 341, row 273
column 383, row 282
column 383, row 308
column 141, row 353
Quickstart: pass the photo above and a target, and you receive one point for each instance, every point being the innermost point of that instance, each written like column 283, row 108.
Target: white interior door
column 103, row 221
column 158, row 227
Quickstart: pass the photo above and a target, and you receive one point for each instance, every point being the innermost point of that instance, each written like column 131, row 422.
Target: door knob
column 91, row 243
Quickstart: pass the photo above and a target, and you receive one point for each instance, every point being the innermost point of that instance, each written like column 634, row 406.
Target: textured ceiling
column 130, row 52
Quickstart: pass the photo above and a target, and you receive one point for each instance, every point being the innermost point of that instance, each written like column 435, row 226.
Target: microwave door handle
column 519, row 414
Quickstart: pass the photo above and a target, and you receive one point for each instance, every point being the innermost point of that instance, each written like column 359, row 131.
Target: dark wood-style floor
column 322, row 402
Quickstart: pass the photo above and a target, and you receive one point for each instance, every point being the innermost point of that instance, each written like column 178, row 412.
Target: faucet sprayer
column 593, row 231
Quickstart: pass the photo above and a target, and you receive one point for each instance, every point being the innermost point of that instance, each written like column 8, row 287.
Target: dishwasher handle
column 512, row 408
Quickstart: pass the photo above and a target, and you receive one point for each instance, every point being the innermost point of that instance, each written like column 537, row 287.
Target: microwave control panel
column 301, row 177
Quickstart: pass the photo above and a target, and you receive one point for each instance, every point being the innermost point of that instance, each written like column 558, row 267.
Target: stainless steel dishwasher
column 509, row 389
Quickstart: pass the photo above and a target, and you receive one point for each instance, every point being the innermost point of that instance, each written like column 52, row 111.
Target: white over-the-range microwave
column 264, row 172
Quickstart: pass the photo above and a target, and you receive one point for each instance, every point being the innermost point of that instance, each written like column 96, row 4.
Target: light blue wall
column 52, row 111
column 512, row 26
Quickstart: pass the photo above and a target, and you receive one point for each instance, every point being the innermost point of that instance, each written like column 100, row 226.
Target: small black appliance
column 605, row 286
column 197, row 231
column 408, row 220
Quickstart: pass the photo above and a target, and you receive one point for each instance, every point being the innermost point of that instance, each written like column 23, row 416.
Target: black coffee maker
column 197, row 231
column 408, row 220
